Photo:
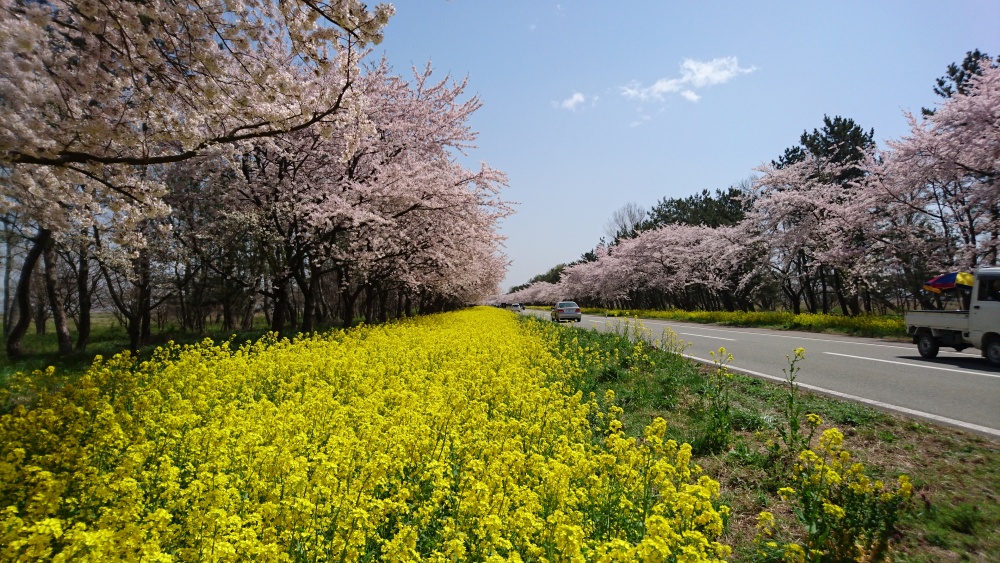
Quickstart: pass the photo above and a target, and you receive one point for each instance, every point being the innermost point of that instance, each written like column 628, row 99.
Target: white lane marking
column 706, row 336
column 732, row 331
column 771, row 333
column 965, row 371
column 878, row 404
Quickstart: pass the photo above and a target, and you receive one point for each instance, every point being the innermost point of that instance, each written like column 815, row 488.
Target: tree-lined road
column 958, row 389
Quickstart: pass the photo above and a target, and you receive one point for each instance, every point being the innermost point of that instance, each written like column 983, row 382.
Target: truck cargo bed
column 938, row 320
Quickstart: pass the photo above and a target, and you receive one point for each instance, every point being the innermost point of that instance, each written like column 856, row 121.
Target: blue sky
column 589, row 105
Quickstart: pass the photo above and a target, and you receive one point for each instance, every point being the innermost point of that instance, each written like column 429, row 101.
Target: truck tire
column 992, row 351
column 927, row 345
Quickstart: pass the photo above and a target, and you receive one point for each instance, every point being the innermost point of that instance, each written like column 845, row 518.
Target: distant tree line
column 832, row 225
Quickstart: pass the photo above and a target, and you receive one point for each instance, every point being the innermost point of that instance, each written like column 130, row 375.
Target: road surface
column 957, row 389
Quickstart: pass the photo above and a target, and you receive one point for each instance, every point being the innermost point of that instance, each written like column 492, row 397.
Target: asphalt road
column 957, row 389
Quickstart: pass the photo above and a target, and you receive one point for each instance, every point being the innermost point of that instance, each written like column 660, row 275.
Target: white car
column 566, row 311
column 516, row 307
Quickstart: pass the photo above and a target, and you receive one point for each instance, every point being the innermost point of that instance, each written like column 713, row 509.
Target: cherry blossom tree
column 806, row 205
column 947, row 170
column 833, row 217
column 92, row 94
column 116, row 82
column 799, row 212
column 377, row 202
column 675, row 265
column 538, row 293
column 220, row 150
column 690, row 266
column 418, row 207
column 605, row 281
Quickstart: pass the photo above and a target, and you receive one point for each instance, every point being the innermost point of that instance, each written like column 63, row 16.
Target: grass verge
column 953, row 515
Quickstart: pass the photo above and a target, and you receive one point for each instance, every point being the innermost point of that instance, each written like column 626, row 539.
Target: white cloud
column 639, row 121
column 573, row 102
column 694, row 75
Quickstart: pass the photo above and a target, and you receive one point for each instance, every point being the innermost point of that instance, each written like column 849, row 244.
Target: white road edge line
column 965, row 371
column 878, row 404
column 796, row 337
column 706, row 336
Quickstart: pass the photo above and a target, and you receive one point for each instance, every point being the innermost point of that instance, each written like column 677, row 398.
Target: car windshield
column 567, row 304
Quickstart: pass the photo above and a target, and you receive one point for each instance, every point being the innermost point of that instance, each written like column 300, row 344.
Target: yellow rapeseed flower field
column 455, row 437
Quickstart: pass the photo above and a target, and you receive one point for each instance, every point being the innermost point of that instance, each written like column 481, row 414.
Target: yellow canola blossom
column 846, row 516
column 455, row 437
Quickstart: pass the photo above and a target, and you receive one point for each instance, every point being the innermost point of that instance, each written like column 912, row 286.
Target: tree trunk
column 126, row 311
column 847, row 307
column 293, row 311
column 83, row 295
column 55, row 300
column 182, row 300
column 266, row 305
column 793, row 297
column 8, row 262
column 369, row 305
column 826, row 300
column 308, row 316
column 22, row 295
column 41, row 312
column 309, row 288
column 727, row 301
column 248, row 313
column 324, row 311
column 228, row 305
column 280, row 292
column 347, row 298
column 809, row 292
column 144, row 301
column 132, row 329
column 383, row 306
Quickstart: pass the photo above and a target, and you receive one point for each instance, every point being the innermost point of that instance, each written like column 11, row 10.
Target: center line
column 967, row 372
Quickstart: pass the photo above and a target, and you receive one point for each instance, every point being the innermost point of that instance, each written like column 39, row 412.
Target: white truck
column 977, row 327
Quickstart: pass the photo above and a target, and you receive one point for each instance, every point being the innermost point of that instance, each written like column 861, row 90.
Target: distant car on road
column 566, row 311
column 516, row 307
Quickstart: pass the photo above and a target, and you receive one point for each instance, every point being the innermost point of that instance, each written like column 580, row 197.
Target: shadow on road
column 979, row 364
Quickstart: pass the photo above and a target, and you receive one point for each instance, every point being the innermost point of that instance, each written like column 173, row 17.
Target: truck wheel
column 927, row 345
column 992, row 351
